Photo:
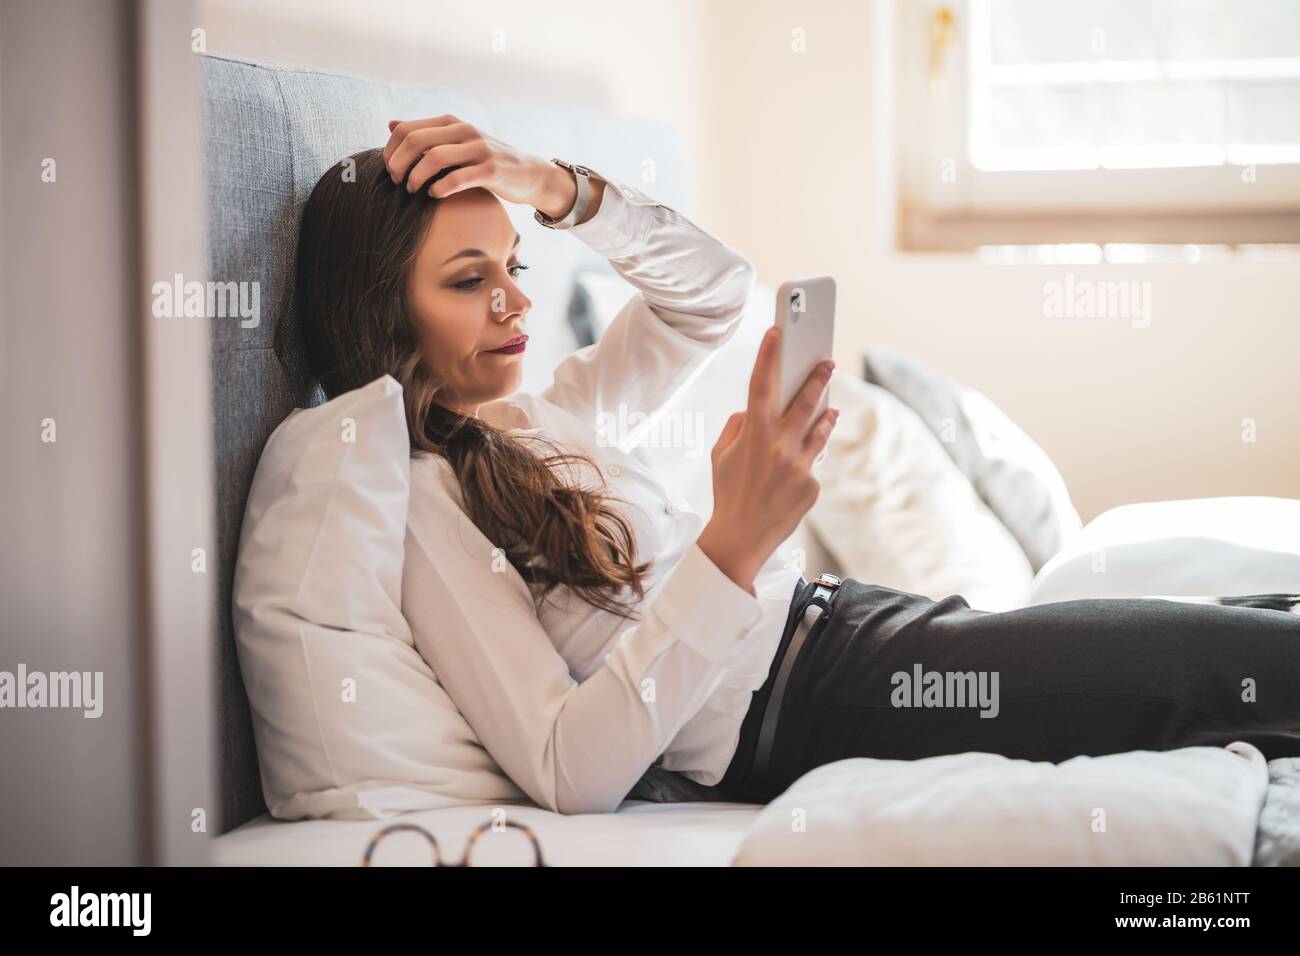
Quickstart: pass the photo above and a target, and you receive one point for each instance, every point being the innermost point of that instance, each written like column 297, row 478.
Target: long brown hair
column 358, row 238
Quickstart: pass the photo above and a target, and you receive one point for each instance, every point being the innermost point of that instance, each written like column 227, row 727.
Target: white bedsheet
column 639, row 834
column 1194, row 806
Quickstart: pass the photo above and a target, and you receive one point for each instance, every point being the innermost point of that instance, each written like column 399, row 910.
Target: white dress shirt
column 575, row 703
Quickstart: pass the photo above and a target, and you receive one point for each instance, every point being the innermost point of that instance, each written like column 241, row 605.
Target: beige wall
column 1128, row 414
column 791, row 159
column 640, row 58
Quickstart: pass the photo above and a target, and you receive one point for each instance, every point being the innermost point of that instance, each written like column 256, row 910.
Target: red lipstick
column 513, row 347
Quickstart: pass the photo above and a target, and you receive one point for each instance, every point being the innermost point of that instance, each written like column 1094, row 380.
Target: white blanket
column 1196, row 806
column 1197, row 547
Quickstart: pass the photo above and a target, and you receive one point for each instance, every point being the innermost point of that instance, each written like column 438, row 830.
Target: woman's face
column 463, row 296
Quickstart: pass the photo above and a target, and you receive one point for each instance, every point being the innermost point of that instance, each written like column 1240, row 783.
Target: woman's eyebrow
column 476, row 253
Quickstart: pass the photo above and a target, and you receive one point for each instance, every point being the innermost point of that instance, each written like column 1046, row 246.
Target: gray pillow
column 1010, row 473
column 581, row 315
column 595, row 299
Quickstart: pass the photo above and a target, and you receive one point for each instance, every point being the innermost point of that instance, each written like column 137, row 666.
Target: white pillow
column 349, row 720
column 1200, row 547
column 1195, row 806
column 895, row 510
column 1007, row 468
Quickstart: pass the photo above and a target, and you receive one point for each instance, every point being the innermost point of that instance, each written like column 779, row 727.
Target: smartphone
column 805, row 311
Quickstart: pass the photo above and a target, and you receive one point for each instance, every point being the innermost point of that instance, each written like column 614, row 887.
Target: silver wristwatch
column 581, row 178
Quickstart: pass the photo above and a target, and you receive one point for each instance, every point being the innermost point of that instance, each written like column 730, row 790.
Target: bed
column 269, row 130
column 641, row 833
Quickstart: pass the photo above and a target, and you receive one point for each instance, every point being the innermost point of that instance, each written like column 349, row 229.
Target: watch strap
column 581, row 202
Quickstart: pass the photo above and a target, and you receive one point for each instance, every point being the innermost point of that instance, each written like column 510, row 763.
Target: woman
column 587, row 623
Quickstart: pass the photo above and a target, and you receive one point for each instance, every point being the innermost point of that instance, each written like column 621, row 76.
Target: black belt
column 820, row 594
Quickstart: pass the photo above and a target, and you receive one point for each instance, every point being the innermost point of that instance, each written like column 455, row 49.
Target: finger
column 416, row 143
column 399, row 132
column 818, row 437
column 803, row 410
column 467, row 177
column 762, row 409
column 439, row 157
column 399, row 129
column 730, row 431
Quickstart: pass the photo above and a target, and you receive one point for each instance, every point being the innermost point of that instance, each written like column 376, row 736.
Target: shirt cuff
column 705, row 609
column 619, row 222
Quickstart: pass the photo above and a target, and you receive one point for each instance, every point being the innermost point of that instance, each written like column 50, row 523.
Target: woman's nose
column 516, row 304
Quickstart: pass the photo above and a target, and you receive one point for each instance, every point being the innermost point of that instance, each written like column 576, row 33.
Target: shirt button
column 614, row 470
column 670, row 508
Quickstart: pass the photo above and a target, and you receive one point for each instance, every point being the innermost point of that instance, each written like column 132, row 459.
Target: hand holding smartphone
column 762, row 481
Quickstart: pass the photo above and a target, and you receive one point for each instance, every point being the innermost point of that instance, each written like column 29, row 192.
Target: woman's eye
column 473, row 283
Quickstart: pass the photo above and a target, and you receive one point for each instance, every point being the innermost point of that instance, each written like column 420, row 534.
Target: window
column 1061, row 121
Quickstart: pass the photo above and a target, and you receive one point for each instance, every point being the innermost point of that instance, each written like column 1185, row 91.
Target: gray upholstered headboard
column 272, row 131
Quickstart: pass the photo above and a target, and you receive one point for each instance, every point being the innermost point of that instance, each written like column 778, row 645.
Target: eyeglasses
column 496, row 824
